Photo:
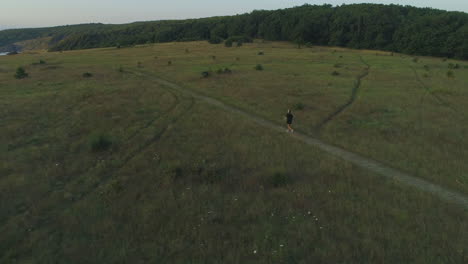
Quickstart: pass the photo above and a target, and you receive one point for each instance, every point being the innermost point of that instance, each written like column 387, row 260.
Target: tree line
column 406, row 29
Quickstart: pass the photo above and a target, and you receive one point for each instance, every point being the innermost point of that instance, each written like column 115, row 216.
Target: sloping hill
column 406, row 29
column 117, row 166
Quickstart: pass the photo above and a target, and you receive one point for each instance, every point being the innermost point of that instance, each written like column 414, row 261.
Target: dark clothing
column 289, row 118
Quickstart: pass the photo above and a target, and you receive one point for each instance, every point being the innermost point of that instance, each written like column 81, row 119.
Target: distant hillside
column 14, row 39
column 419, row 31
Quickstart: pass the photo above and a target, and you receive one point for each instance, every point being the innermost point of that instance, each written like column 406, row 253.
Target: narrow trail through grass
column 435, row 96
column 369, row 164
column 174, row 114
column 351, row 100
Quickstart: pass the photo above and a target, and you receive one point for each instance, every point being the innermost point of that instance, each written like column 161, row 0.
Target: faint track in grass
column 377, row 167
column 351, row 100
column 435, row 96
column 105, row 178
column 108, row 176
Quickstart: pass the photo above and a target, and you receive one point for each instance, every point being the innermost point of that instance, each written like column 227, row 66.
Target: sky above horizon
column 44, row 13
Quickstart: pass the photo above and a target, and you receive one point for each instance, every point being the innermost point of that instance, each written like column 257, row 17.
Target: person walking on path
column 289, row 120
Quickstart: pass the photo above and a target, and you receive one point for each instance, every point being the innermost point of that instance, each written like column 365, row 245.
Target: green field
column 118, row 168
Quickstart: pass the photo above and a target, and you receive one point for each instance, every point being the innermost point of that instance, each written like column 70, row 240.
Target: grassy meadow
column 113, row 167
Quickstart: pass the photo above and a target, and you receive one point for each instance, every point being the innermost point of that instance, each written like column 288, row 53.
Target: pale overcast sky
column 40, row 13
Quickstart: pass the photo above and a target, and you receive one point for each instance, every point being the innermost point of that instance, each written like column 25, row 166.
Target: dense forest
column 419, row 31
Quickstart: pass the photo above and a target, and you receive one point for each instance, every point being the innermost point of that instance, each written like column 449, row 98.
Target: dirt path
column 351, row 100
column 369, row 164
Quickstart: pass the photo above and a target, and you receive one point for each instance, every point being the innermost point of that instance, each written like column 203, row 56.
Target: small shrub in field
column 259, row 67
column 450, row 74
column 299, row 106
column 228, row 43
column 41, row 62
column 20, row 73
column 139, row 64
column 415, row 59
column 121, row 69
column 87, row 75
column 261, row 53
column 225, row 71
column 178, row 172
column 453, row 66
column 279, row 179
column 335, row 73
column 100, row 142
column 213, row 57
column 205, row 74
column 215, row 40
column 426, row 75
column 341, row 56
column 169, row 63
column 243, row 39
column 237, row 59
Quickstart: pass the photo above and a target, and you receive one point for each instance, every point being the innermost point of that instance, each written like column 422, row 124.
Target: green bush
column 415, row 59
column 121, row 69
column 243, row 39
column 279, row 179
column 335, row 73
column 21, row 73
column 259, row 67
column 224, row 70
column 87, row 75
column 205, row 74
column 215, row 40
column 100, row 142
column 299, row 106
column 169, row 63
column 42, row 62
column 228, row 43
column 261, row 53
